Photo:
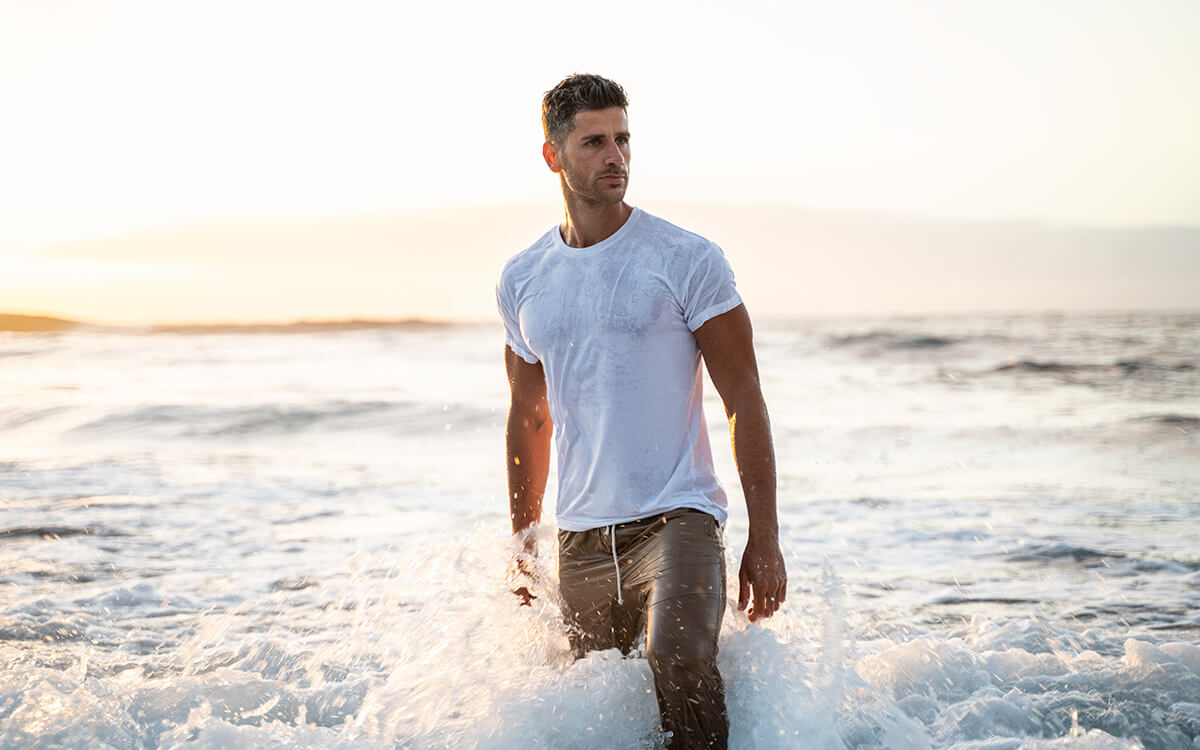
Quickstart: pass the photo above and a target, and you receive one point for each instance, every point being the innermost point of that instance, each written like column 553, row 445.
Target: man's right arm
column 528, row 441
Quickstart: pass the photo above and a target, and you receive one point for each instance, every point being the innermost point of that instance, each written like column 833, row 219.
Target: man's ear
column 550, row 157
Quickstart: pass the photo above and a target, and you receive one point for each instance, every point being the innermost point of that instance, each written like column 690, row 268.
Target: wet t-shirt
column 613, row 327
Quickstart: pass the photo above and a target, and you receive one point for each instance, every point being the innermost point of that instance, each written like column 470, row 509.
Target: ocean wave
column 1061, row 551
column 193, row 421
column 25, row 627
column 969, row 693
column 107, row 501
column 1152, row 379
column 896, row 340
column 55, row 532
column 22, row 417
column 293, row 584
column 1120, row 367
column 1028, row 365
column 953, row 599
column 1115, row 564
column 1173, row 420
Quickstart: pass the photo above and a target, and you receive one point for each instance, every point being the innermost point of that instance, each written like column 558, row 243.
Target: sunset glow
column 180, row 119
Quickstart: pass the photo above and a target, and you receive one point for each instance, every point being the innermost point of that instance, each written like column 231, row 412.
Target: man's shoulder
column 529, row 256
column 657, row 225
column 679, row 248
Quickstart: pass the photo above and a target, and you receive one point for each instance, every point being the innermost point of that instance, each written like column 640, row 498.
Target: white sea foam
column 428, row 649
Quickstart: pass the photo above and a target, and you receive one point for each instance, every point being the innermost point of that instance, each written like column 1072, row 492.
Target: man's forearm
column 754, row 454
column 528, row 448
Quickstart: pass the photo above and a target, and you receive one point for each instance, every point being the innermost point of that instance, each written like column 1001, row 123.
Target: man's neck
column 588, row 223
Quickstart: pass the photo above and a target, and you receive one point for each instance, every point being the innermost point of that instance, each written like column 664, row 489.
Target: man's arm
column 528, row 441
column 727, row 344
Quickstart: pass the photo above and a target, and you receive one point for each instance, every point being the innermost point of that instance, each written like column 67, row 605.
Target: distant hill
column 35, row 323
column 15, row 323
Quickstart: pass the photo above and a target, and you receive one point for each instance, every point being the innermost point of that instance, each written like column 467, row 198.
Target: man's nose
column 614, row 155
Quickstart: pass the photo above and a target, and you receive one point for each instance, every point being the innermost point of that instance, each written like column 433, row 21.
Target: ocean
column 297, row 536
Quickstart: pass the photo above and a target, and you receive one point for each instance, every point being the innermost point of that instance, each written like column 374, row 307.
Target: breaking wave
column 1121, row 367
column 383, row 659
column 895, row 340
column 1173, row 420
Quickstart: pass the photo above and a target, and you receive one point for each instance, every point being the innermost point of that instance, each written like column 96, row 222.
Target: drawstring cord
column 612, row 535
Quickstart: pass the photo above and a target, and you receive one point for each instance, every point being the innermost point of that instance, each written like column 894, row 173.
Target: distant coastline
column 19, row 323
column 35, row 323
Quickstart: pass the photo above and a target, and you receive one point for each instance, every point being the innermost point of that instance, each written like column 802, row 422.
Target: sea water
column 298, row 537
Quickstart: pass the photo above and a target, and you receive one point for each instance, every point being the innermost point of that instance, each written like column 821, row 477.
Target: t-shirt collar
column 608, row 241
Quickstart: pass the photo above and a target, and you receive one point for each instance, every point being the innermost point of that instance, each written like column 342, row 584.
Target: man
column 607, row 317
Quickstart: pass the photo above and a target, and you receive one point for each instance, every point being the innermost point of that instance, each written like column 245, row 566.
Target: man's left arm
column 727, row 345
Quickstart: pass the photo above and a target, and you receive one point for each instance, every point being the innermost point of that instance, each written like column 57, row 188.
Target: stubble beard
column 593, row 191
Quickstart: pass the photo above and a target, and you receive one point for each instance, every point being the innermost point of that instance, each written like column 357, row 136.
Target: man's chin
column 616, row 193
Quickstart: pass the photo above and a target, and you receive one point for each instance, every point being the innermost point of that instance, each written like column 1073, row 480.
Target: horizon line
column 21, row 322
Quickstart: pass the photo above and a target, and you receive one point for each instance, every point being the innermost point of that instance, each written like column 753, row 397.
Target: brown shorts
column 668, row 581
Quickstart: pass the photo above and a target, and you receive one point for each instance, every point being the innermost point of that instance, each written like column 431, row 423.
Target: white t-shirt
column 612, row 325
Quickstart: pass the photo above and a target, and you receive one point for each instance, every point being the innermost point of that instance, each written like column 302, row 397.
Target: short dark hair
column 576, row 93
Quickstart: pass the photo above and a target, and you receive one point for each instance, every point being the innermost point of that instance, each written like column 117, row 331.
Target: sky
column 272, row 160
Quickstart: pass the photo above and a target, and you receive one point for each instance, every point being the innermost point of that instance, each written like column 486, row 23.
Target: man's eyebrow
column 590, row 136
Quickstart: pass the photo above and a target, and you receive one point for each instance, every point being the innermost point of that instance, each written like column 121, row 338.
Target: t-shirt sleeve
column 710, row 289
column 512, row 326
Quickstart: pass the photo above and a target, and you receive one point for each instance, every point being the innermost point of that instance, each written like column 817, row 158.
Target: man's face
column 593, row 159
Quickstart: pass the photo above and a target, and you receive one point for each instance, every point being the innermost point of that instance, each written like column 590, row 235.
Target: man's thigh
column 685, row 585
column 587, row 581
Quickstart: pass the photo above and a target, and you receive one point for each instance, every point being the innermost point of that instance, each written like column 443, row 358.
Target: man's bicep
column 727, row 345
column 526, row 382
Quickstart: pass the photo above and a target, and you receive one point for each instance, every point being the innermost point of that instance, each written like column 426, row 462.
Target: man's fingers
column 768, row 598
column 760, row 605
column 779, row 593
column 743, row 590
column 774, row 599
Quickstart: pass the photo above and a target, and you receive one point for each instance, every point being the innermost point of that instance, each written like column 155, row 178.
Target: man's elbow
column 534, row 420
column 539, row 424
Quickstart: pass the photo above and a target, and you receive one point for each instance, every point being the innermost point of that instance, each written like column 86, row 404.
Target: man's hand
column 521, row 577
column 763, row 575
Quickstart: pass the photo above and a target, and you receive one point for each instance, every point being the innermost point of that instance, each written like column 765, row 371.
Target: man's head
column 574, row 94
column 587, row 138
